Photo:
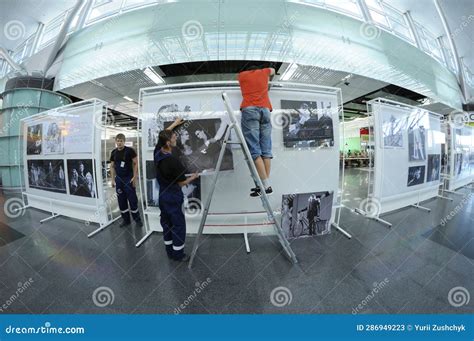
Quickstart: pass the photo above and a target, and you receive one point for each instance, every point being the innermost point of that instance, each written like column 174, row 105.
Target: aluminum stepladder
column 253, row 171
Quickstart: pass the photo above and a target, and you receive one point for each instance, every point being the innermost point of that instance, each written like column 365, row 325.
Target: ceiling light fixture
column 156, row 78
column 128, row 98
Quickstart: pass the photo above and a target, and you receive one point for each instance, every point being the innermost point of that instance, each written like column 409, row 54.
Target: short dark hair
column 252, row 67
column 120, row 137
column 164, row 136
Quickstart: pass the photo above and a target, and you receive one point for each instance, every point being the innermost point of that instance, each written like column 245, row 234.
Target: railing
column 380, row 14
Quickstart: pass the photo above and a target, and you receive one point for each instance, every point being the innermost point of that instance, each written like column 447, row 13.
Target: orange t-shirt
column 254, row 88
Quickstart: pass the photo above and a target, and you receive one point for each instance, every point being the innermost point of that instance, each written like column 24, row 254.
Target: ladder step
column 253, row 171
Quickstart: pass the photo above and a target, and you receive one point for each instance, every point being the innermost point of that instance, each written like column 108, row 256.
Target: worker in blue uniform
column 170, row 174
column 124, row 174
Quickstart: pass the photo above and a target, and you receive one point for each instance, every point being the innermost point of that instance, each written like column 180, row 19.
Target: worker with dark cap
column 170, row 174
column 124, row 173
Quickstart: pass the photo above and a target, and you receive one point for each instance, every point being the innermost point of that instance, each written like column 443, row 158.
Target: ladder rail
column 258, row 181
column 209, row 197
column 253, row 171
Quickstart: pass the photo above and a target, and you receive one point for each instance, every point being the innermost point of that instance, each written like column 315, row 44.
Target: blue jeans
column 257, row 130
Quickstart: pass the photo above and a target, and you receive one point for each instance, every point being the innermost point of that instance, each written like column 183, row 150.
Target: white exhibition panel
column 79, row 140
column 293, row 170
column 392, row 186
column 461, row 157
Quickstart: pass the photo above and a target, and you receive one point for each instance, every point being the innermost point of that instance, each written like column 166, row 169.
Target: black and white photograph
column 417, row 136
column 53, row 139
column 309, row 125
column 152, row 186
column 392, row 131
column 434, row 167
column 306, row 214
column 191, row 192
column 199, row 145
column 48, row 175
column 81, row 178
column 155, row 125
column 34, row 139
column 458, row 162
column 416, row 175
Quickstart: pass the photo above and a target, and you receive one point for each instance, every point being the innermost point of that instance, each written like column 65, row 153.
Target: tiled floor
column 409, row 268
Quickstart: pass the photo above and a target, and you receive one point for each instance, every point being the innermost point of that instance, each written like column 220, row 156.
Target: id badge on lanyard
column 122, row 163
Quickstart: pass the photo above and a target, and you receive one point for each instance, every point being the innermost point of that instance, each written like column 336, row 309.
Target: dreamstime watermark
column 103, row 296
column 14, row 30
column 369, row 31
column 370, row 296
column 46, row 329
column 371, row 207
column 458, row 296
column 108, row 202
column 14, row 207
column 191, row 30
column 193, row 207
column 281, row 296
column 21, row 288
column 456, row 209
column 20, row 112
column 280, row 120
column 199, row 289
column 463, row 25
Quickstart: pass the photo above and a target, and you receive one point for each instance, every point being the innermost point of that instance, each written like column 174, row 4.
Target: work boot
column 183, row 259
column 125, row 223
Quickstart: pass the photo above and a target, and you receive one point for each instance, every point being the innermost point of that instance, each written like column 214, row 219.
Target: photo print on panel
column 53, row 137
column 79, row 134
column 458, row 162
column 152, row 187
column 465, row 163
column 199, row 144
column 392, row 131
column 306, row 214
column 310, row 124
column 81, row 178
column 434, row 167
column 47, row 175
column 416, row 175
column 34, row 139
column 417, row 135
column 155, row 125
column 191, row 192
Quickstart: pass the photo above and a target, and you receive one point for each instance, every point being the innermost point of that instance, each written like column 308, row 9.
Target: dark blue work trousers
column 173, row 223
column 127, row 195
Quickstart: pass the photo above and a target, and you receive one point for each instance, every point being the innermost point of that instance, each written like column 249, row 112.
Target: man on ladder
column 256, row 123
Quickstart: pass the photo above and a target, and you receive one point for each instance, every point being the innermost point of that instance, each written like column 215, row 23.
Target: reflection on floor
column 8, row 235
column 413, row 266
column 356, row 186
